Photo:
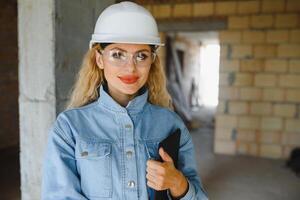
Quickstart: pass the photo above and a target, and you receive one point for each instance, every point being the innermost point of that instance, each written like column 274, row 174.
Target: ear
column 99, row 60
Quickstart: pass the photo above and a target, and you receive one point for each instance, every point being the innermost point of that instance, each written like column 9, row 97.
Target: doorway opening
column 209, row 74
column 196, row 68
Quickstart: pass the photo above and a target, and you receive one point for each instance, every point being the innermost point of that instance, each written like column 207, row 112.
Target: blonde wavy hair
column 90, row 76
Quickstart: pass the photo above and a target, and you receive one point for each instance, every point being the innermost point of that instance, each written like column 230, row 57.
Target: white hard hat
column 126, row 22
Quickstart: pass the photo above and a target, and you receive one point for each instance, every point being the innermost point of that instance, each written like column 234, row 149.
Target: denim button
column 85, row 153
column 128, row 126
column 131, row 184
column 129, row 154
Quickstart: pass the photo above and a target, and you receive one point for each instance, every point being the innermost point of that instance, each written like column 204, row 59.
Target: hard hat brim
column 108, row 38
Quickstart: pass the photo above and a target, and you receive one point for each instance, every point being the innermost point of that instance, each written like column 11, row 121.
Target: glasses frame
column 128, row 54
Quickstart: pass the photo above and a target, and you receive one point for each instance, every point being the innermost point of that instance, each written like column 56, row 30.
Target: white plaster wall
column 37, row 88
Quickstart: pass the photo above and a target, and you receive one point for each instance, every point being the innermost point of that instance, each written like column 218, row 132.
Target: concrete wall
column 9, row 118
column 72, row 35
column 259, row 97
column 37, row 88
column 53, row 36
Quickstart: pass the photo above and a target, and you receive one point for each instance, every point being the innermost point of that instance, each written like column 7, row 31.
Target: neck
column 122, row 99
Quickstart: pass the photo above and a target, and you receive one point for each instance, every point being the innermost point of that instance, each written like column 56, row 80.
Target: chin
column 130, row 90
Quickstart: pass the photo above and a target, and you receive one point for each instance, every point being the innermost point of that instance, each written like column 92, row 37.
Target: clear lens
column 117, row 55
column 120, row 58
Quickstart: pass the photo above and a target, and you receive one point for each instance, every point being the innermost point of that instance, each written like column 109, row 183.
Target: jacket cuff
column 188, row 196
column 191, row 192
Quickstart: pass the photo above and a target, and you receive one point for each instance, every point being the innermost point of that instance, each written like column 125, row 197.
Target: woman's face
column 126, row 67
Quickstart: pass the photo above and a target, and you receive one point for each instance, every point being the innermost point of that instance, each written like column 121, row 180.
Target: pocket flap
column 92, row 150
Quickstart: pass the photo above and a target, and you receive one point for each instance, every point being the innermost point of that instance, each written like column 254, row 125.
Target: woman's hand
column 164, row 175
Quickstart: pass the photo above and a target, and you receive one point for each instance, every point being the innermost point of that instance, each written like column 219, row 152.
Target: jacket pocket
column 94, row 166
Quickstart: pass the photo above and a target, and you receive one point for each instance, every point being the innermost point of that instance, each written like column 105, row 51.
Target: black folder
column 171, row 146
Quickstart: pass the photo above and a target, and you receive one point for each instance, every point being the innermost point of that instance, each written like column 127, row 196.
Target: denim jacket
column 99, row 151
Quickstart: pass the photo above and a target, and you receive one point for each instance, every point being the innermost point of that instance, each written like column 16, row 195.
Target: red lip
column 130, row 79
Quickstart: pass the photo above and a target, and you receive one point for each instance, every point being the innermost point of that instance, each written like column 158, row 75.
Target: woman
column 105, row 145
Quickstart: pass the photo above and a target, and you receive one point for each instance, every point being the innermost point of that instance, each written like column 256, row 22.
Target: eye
column 141, row 56
column 117, row 54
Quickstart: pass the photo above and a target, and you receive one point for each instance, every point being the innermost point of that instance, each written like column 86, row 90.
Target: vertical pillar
column 53, row 36
column 36, row 40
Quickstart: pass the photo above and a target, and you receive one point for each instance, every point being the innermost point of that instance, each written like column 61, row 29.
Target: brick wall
column 259, row 100
column 9, row 120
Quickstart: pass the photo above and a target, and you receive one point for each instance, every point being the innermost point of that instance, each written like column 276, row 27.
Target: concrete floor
column 223, row 177
column 240, row 177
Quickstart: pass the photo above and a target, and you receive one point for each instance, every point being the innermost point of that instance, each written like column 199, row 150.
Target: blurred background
column 233, row 69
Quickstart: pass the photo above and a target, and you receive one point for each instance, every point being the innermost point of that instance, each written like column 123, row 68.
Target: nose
column 130, row 64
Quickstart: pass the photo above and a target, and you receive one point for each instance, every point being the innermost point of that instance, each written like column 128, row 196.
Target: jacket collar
column 134, row 106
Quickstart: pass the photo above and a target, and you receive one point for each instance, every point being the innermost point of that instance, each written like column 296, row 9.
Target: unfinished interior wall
column 53, row 36
column 9, row 118
column 191, row 65
column 37, row 88
column 72, row 34
column 260, row 84
column 259, row 98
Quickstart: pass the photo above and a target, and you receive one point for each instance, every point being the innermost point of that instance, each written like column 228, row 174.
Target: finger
column 152, row 185
column 157, row 178
column 157, row 172
column 150, row 177
column 155, row 165
column 155, row 185
column 152, row 171
column 164, row 155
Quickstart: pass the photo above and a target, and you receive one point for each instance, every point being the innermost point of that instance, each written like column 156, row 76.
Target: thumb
column 164, row 155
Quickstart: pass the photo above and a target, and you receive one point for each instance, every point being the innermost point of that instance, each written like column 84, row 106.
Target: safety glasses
column 119, row 57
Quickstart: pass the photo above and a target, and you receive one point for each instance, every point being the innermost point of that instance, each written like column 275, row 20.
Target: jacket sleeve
column 60, row 178
column 187, row 165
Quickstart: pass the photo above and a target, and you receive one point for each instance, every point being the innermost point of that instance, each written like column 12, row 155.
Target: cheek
column 110, row 73
column 145, row 74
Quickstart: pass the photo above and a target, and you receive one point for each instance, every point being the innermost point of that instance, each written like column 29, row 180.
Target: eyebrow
column 127, row 51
